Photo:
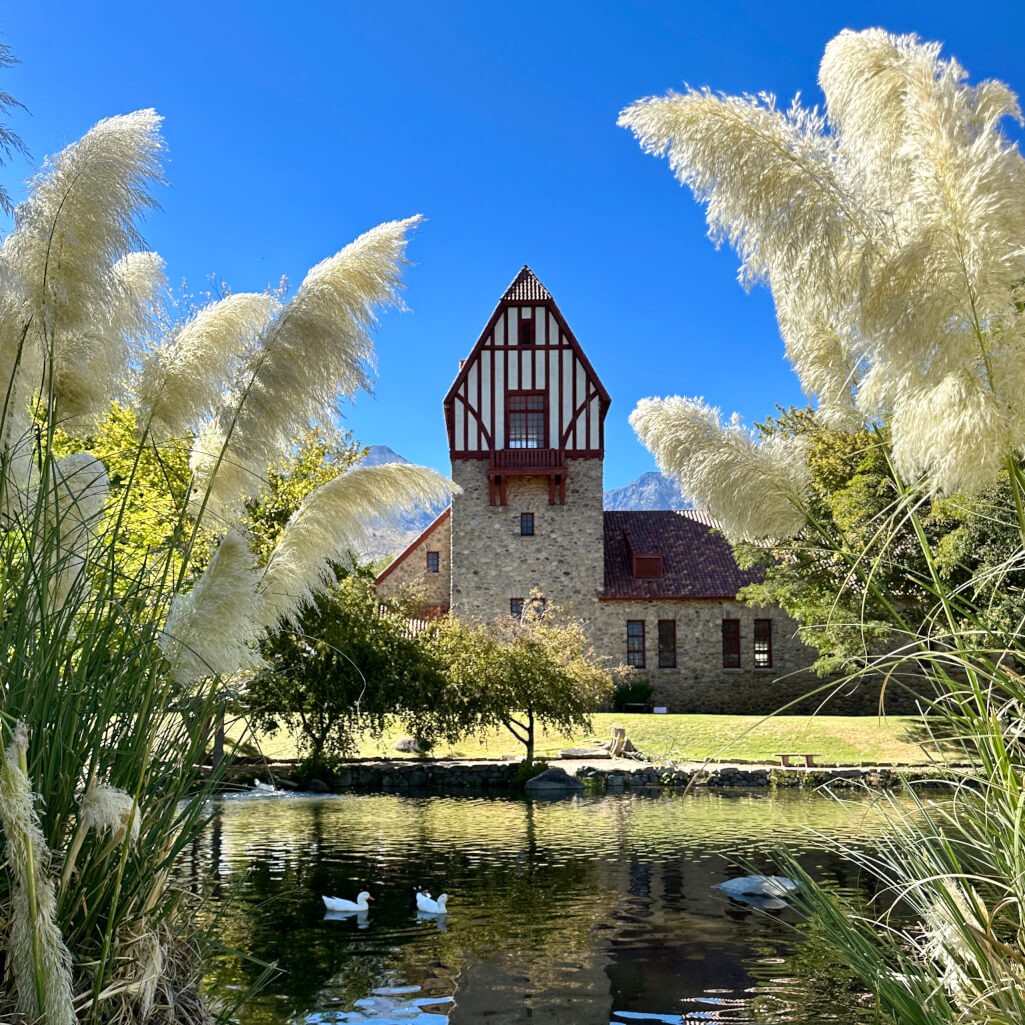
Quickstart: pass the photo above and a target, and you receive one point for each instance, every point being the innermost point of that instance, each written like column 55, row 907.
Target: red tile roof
column 697, row 561
column 526, row 288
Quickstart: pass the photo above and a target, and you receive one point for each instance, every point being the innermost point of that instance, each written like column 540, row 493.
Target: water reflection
column 594, row 909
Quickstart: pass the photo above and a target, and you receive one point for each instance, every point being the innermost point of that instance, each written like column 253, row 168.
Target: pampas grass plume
column 212, row 629
column 39, row 958
column 331, row 522
column 317, row 346
column 183, row 381
column 755, row 489
column 108, row 809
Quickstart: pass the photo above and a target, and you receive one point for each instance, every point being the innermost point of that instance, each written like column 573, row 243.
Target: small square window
column 635, row 643
column 433, row 562
column 516, row 608
column 527, row 524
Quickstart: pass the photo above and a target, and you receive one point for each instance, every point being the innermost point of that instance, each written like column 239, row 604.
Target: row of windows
column 731, row 657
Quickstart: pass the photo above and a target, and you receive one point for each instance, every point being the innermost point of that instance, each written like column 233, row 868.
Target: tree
column 891, row 231
column 521, row 674
column 351, row 665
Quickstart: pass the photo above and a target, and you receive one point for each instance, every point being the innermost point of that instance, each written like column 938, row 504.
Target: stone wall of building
column 411, row 570
column 700, row 683
column 492, row 562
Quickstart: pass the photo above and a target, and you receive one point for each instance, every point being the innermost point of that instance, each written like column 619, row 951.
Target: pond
column 591, row 909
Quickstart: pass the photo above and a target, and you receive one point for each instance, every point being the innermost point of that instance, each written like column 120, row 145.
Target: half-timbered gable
column 526, row 399
column 526, row 420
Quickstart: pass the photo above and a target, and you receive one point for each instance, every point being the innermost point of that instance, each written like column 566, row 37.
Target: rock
column 318, row 786
column 583, row 752
column 553, row 779
column 408, row 744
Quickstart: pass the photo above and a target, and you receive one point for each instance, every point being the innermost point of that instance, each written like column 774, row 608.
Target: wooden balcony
column 528, row 462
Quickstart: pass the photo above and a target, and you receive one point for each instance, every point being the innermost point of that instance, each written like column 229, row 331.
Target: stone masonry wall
column 412, row 571
column 492, row 563
column 700, row 683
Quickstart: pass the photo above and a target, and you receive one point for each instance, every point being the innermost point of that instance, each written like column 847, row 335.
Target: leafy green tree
column 522, row 674
column 351, row 666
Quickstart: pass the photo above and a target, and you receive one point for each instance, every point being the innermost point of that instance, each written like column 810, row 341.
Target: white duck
column 264, row 788
column 431, row 907
column 339, row 904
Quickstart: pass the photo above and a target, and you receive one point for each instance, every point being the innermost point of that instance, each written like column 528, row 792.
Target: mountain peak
column 651, row 491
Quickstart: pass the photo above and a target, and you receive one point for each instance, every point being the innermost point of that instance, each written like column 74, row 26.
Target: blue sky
column 293, row 129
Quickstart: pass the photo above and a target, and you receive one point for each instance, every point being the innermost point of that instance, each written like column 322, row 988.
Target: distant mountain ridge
column 650, row 491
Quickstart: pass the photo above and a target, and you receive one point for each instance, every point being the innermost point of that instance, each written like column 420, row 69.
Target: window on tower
column 526, row 331
column 526, row 412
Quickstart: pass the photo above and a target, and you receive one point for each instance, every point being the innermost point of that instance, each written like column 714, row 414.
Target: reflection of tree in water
column 613, row 897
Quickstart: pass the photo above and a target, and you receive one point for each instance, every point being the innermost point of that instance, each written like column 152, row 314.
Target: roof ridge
column 525, row 287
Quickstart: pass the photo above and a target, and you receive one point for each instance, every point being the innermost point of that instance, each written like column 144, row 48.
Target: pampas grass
column 331, row 522
column 118, row 647
column 754, row 489
column 317, row 347
column 891, row 231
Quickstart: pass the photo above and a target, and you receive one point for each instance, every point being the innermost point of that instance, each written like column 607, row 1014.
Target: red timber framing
column 526, row 349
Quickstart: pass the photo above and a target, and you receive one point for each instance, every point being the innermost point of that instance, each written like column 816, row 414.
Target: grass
column 835, row 739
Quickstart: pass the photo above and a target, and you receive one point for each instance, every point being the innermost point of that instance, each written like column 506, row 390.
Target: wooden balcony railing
column 528, row 462
column 521, row 460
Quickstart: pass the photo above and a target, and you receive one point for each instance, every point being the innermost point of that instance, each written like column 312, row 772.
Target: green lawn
column 836, row 739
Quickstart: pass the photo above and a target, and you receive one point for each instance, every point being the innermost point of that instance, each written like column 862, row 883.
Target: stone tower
column 526, row 431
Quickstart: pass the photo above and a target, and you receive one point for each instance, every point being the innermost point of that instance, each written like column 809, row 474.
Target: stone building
column 525, row 419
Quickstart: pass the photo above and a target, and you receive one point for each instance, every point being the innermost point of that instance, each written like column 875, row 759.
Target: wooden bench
column 784, row 759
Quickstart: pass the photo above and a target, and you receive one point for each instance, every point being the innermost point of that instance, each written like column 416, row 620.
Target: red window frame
column 731, row 644
column 526, row 524
column 667, row 644
column 526, row 419
column 763, row 644
column 433, row 562
column 635, row 643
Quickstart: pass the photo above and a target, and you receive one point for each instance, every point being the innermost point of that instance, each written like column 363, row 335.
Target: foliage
column 890, row 230
column 522, row 674
column 352, row 666
column 631, row 691
column 113, row 633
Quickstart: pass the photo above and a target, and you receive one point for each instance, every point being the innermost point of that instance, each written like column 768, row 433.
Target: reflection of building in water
column 572, row 911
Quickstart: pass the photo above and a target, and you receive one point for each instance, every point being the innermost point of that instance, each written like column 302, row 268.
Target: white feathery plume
column 776, row 188
column 39, row 958
column 95, row 356
column 78, row 222
column 108, row 809
column 182, row 381
column 891, row 234
column 317, row 346
column 334, row 520
column 754, row 489
column 212, row 629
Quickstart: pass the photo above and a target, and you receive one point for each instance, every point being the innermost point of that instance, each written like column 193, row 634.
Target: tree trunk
column 530, row 739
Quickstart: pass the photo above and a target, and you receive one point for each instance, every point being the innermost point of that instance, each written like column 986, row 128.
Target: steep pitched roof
column 697, row 561
column 526, row 288
column 412, row 546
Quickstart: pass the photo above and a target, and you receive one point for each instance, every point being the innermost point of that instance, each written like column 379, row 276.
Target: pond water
column 591, row 909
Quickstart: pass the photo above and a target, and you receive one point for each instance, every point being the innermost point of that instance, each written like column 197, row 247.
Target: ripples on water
column 578, row 911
